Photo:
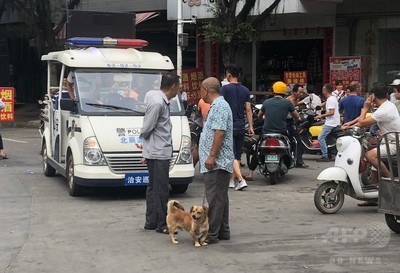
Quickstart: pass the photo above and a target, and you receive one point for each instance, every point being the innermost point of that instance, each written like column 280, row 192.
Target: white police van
column 94, row 141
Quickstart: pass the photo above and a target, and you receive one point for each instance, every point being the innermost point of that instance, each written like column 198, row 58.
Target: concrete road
column 274, row 228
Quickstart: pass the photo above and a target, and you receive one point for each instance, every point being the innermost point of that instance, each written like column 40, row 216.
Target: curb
column 17, row 124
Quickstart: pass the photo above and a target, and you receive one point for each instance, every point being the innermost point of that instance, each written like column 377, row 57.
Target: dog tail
column 174, row 203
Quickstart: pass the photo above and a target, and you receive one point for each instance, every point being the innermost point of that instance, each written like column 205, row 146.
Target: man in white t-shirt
column 339, row 93
column 332, row 120
column 388, row 119
column 312, row 100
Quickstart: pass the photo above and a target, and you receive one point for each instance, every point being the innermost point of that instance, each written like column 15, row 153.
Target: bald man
column 216, row 159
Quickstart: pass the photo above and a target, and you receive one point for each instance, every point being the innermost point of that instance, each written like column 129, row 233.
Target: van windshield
column 112, row 92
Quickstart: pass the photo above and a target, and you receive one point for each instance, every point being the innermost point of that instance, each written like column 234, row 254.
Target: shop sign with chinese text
column 191, row 82
column 295, row 77
column 7, row 96
column 346, row 69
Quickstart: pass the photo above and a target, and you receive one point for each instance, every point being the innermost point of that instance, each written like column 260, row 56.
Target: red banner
column 7, row 96
column 191, row 82
column 295, row 77
column 346, row 69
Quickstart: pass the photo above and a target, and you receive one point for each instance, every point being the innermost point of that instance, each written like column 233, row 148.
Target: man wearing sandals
column 157, row 151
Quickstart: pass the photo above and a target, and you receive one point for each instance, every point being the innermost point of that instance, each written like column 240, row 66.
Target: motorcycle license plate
column 271, row 158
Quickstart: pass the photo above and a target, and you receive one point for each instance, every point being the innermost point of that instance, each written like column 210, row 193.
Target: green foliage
column 224, row 33
column 227, row 28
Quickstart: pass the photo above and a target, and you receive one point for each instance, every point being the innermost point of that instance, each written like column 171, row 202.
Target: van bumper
column 121, row 182
column 102, row 177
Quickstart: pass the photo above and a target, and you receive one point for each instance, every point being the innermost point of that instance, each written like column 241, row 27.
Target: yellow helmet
column 279, row 88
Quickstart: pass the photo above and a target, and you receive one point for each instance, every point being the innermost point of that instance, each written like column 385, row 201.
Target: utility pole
column 181, row 39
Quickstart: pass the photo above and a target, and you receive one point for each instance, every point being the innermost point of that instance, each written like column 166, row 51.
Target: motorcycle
column 195, row 125
column 349, row 176
column 309, row 130
column 274, row 156
column 250, row 143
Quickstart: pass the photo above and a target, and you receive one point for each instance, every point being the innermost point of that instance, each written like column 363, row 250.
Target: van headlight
column 185, row 153
column 92, row 154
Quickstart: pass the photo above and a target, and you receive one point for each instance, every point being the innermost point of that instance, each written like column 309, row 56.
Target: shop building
column 370, row 29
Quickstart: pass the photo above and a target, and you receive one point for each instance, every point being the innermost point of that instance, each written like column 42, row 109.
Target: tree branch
column 244, row 13
column 260, row 18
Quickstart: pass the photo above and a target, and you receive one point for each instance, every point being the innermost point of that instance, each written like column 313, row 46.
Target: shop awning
column 144, row 16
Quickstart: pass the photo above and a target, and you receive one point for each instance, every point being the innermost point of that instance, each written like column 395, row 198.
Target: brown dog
column 195, row 222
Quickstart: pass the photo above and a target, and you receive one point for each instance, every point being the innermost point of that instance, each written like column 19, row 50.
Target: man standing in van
column 157, row 150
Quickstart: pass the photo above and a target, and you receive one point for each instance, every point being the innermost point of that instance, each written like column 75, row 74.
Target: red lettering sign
column 7, row 96
column 191, row 82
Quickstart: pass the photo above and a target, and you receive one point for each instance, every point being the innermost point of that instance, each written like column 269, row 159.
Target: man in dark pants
column 238, row 98
column 216, row 159
column 297, row 147
column 157, row 151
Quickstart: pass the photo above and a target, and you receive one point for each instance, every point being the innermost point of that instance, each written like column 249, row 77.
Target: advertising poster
column 346, row 69
column 191, row 82
column 7, row 96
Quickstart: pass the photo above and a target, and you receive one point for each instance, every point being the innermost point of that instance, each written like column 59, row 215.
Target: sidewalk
column 26, row 115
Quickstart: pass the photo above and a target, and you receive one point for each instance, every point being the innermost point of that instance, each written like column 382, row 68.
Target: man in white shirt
column 332, row 120
column 388, row 119
column 396, row 93
column 339, row 93
column 312, row 100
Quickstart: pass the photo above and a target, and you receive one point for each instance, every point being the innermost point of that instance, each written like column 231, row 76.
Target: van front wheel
column 179, row 188
column 48, row 170
column 73, row 188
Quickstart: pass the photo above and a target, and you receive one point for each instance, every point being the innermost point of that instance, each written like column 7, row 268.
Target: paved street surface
column 274, row 228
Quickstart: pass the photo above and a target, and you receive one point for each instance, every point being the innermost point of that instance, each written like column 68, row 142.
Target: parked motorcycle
column 349, row 176
column 274, row 156
column 250, row 143
column 309, row 139
column 195, row 125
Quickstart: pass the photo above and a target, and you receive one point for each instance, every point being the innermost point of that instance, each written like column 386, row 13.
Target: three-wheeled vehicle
column 94, row 139
column 389, row 187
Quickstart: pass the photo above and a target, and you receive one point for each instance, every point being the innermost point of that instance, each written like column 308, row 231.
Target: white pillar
column 178, row 34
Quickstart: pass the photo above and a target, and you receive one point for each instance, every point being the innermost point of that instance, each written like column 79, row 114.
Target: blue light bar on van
column 107, row 42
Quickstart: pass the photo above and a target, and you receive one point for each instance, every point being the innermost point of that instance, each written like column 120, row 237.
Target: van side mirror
column 67, row 104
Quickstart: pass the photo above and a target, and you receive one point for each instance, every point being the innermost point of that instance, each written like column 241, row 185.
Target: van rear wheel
column 48, row 170
column 73, row 188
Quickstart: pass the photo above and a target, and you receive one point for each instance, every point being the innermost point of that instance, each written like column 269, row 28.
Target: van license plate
column 271, row 158
column 136, row 179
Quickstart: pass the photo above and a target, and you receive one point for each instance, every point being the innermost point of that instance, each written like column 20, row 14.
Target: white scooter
column 348, row 176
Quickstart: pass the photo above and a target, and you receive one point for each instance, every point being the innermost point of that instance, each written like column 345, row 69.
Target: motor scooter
column 389, row 187
column 309, row 130
column 250, row 143
column 349, row 176
column 274, row 156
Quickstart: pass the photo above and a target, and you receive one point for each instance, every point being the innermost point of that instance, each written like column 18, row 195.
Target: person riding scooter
column 275, row 111
column 388, row 119
column 332, row 120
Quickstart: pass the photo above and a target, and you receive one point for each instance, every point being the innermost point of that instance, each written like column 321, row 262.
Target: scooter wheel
column 325, row 200
column 273, row 177
column 393, row 222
